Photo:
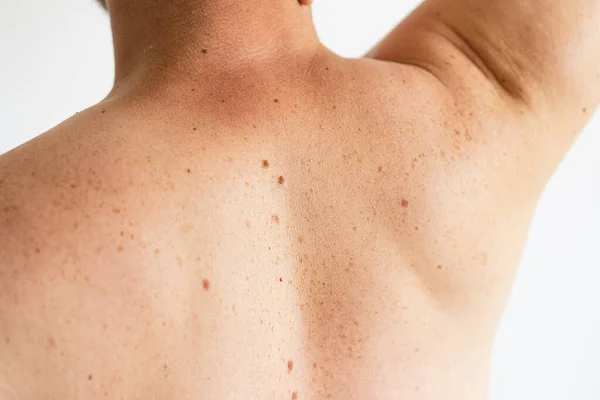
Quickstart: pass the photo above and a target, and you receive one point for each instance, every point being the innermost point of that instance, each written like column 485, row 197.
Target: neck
column 188, row 35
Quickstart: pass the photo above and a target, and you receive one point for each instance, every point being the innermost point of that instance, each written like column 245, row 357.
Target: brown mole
column 281, row 180
column 265, row 164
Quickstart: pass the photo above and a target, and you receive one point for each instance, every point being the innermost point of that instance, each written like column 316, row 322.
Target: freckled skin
column 392, row 202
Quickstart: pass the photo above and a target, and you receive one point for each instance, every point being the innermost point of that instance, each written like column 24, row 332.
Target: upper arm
column 541, row 59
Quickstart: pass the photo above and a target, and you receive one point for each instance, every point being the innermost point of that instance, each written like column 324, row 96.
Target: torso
column 350, row 234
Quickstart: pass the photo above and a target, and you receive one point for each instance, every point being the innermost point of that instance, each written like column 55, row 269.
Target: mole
column 290, row 366
column 189, row 171
column 439, row 267
column 204, row 51
column 103, row 111
column 280, row 279
column 206, row 284
column 265, row 163
column 276, row 100
column 404, row 203
column 281, row 180
column 90, row 377
column 275, row 218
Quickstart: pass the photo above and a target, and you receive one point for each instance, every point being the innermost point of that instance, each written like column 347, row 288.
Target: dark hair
column 103, row 2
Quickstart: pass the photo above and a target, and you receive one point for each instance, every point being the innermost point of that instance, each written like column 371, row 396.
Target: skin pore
column 250, row 216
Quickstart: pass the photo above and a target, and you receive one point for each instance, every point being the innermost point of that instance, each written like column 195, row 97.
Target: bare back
column 349, row 233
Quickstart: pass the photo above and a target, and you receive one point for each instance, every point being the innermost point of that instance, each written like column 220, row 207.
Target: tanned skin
column 249, row 216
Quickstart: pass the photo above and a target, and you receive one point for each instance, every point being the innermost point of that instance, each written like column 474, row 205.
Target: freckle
column 275, row 218
column 164, row 323
column 132, row 236
column 326, row 68
column 89, row 377
column 223, row 101
column 37, row 249
column 103, row 111
column 179, row 261
column 206, row 284
column 380, row 169
column 295, row 394
column 301, row 239
column 120, row 249
column 404, row 203
column 417, row 350
column 457, row 132
column 281, row 180
column 439, row 267
column 261, row 321
column 584, row 110
column 204, row 51
column 116, row 210
column 156, row 251
column 416, row 228
column 122, row 233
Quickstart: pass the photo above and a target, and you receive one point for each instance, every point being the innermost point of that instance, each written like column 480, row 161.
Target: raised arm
column 541, row 56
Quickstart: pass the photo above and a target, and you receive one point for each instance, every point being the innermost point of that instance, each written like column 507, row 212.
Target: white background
column 56, row 59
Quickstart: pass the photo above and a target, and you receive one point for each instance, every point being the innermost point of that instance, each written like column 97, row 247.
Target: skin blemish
column 584, row 109
column 90, row 377
column 417, row 350
column 194, row 129
column 275, row 218
column 280, row 279
column 300, row 239
column 116, row 210
column 189, row 171
column 404, row 203
column 206, row 284
column 439, row 267
column 120, row 249
column 276, row 100
column 204, row 51
column 290, row 366
column 281, row 180
column 103, row 111
column 179, row 261
column 132, row 236
column 380, row 169
column 122, row 233
column 295, row 394
column 156, row 251
column 164, row 324
column 37, row 250
column 265, row 164
column 248, row 224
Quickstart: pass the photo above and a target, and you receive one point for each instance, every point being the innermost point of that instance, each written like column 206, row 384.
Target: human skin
column 249, row 216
